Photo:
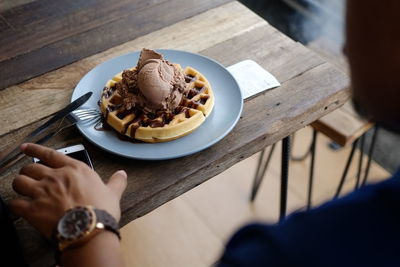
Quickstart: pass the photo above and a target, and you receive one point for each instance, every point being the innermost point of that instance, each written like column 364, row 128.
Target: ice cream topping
column 155, row 84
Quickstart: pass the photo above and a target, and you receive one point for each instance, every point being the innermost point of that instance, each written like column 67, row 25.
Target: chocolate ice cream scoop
column 161, row 83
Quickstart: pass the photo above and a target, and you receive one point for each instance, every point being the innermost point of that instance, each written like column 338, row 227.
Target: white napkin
column 252, row 78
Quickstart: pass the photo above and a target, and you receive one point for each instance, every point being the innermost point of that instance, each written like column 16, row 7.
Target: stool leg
column 305, row 155
column 370, row 152
column 284, row 176
column 259, row 166
column 360, row 161
column 346, row 169
column 311, row 179
column 260, row 173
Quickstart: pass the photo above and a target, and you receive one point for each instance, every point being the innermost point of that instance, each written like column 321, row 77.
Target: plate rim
column 180, row 155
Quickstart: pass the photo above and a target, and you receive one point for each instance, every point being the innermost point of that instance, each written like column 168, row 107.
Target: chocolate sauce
column 191, row 104
column 111, row 108
column 104, row 126
column 195, row 91
column 122, row 114
column 192, row 93
column 151, row 116
column 204, row 99
column 136, row 123
column 108, row 110
column 107, row 92
column 116, row 100
column 179, row 109
column 187, row 114
column 200, row 89
column 144, row 120
column 182, row 109
column 156, row 123
column 133, row 129
column 189, row 78
column 168, row 117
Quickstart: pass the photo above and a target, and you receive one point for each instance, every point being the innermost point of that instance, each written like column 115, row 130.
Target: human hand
column 63, row 184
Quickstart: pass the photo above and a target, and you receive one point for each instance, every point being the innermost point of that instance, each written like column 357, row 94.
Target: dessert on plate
column 156, row 101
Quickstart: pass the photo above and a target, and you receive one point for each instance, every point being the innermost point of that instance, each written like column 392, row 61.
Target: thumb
column 117, row 182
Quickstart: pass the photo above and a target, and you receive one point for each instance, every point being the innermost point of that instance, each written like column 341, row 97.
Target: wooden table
column 54, row 43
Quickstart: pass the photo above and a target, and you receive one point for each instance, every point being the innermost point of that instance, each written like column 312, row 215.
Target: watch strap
column 102, row 216
column 108, row 220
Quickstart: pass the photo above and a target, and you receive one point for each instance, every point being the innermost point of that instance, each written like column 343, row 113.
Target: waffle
column 197, row 103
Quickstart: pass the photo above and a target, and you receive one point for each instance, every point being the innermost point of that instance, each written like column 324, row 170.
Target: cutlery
column 7, row 154
column 73, row 118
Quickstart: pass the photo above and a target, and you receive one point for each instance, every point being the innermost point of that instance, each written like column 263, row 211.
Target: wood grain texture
column 310, row 89
column 50, row 21
column 4, row 26
column 343, row 126
column 48, row 93
column 66, row 42
column 8, row 4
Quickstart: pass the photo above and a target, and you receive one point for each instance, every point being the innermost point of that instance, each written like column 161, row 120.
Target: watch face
column 75, row 222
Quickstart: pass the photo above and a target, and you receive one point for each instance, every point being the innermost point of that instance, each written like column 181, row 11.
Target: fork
column 79, row 116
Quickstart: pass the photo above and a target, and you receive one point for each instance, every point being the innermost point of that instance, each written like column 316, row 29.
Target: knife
column 8, row 153
column 18, row 156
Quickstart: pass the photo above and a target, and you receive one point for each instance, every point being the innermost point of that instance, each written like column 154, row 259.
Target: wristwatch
column 81, row 223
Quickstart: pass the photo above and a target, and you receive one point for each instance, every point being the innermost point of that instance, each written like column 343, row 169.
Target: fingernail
column 122, row 172
column 23, row 146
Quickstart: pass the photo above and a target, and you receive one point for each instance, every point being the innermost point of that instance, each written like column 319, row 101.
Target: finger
column 25, row 185
column 49, row 156
column 118, row 182
column 20, row 207
column 36, row 171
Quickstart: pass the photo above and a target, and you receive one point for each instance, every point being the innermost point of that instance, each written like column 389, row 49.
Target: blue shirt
column 361, row 229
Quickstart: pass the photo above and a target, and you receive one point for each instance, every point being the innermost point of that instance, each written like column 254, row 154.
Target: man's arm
column 102, row 250
column 62, row 184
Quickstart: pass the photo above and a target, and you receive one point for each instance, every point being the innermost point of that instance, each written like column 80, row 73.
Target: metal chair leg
column 346, row 169
column 284, row 176
column 260, row 173
column 360, row 161
column 311, row 178
column 370, row 152
column 305, row 155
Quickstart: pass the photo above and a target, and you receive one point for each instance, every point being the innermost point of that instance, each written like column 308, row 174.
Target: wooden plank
column 7, row 4
column 48, row 93
column 49, row 21
column 281, row 56
column 343, row 125
column 59, row 53
column 4, row 26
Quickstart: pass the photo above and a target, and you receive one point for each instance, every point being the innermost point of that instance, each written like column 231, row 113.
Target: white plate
column 227, row 109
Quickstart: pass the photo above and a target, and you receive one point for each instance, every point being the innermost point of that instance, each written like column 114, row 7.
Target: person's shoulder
column 386, row 192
